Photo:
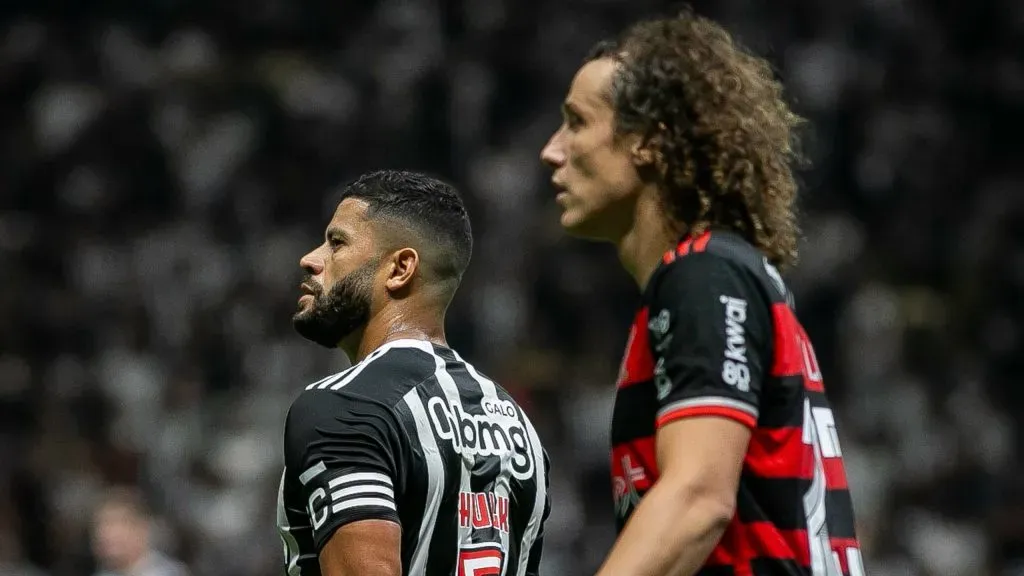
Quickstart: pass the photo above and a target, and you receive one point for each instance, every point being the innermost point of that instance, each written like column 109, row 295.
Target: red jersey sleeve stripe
column 701, row 243
column 709, row 406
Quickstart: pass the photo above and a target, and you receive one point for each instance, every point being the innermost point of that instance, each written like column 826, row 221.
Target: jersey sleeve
column 345, row 452
column 709, row 329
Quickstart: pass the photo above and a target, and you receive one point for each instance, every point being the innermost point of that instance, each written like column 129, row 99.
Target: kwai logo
column 488, row 435
column 735, row 371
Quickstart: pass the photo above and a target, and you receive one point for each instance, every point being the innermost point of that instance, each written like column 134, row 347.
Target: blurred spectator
column 122, row 534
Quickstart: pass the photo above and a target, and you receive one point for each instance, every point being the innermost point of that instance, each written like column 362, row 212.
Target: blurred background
column 165, row 163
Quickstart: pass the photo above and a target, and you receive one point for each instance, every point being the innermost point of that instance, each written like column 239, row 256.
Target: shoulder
column 718, row 264
column 384, row 376
column 371, row 388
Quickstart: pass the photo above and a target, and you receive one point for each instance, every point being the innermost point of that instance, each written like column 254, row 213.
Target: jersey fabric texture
column 416, row 435
column 716, row 336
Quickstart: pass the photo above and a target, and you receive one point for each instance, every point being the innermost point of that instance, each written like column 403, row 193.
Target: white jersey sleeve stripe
column 363, row 489
column 363, row 503
column 359, row 477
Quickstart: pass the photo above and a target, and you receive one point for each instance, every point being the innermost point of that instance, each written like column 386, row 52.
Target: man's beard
column 345, row 308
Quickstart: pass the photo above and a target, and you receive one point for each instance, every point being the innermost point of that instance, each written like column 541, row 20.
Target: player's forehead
column 350, row 219
column 591, row 87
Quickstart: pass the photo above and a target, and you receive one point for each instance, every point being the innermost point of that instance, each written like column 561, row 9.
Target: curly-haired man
column 678, row 147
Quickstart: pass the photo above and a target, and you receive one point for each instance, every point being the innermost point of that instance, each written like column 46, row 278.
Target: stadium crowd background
column 164, row 164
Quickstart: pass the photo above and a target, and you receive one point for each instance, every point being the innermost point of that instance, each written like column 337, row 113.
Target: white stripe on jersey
column 451, row 393
column 537, row 516
column 363, row 502
column 362, row 489
column 314, row 471
column 330, row 379
column 502, row 484
column 349, row 374
column 292, row 552
column 714, row 401
column 359, row 477
column 435, row 481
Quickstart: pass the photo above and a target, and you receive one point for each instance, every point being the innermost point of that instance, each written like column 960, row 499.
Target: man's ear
column 402, row 265
column 645, row 150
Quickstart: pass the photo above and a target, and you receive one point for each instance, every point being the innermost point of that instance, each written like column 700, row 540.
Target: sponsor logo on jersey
column 492, row 434
column 627, row 482
column 735, row 371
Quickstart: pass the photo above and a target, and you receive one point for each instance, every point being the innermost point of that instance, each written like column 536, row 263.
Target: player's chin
column 578, row 224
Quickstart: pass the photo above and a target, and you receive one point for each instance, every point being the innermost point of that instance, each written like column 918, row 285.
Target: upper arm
column 344, row 451
column 363, row 548
column 710, row 334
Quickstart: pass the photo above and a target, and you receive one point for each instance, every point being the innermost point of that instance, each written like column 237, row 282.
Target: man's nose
column 312, row 264
column 552, row 154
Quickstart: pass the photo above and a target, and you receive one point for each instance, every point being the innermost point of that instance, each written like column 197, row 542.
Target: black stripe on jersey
column 775, row 500
column 716, row 571
column 632, row 400
column 775, row 567
column 840, row 518
column 774, row 503
column 781, row 402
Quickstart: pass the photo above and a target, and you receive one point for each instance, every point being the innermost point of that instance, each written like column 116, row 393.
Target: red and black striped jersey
column 716, row 336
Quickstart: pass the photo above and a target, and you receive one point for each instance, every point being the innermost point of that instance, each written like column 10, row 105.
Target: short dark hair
column 425, row 206
column 725, row 138
column 128, row 498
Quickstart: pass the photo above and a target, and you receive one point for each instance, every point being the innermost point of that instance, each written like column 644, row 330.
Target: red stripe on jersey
column 701, row 243
column 788, row 359
column 793, row 351
column 723, row 411
column 839, row 546
column 637, row 461
column 764, row 540
column 780, row 453
column 638, row 363
column 743, row 542
column 835, row 473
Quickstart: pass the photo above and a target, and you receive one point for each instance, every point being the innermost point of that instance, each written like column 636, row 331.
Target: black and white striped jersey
column 416, row 435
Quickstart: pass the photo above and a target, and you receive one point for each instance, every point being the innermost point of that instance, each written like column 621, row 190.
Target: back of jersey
column 415, row 434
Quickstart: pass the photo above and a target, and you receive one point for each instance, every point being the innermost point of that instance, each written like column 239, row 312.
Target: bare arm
column 683, row 516
column 363, row 548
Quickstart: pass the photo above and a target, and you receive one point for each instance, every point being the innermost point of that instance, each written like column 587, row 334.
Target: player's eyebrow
column 570, row 109
column 336, row 232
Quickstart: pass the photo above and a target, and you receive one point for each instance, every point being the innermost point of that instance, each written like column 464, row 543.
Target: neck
column 642, row 247
column 393, row 324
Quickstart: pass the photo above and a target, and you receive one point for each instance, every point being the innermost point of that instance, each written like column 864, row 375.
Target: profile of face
column 338, row 287
column 593, row 171
column 120, row 536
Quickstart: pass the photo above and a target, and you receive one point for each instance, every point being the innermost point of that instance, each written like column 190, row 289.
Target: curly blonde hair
column 724, row 138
